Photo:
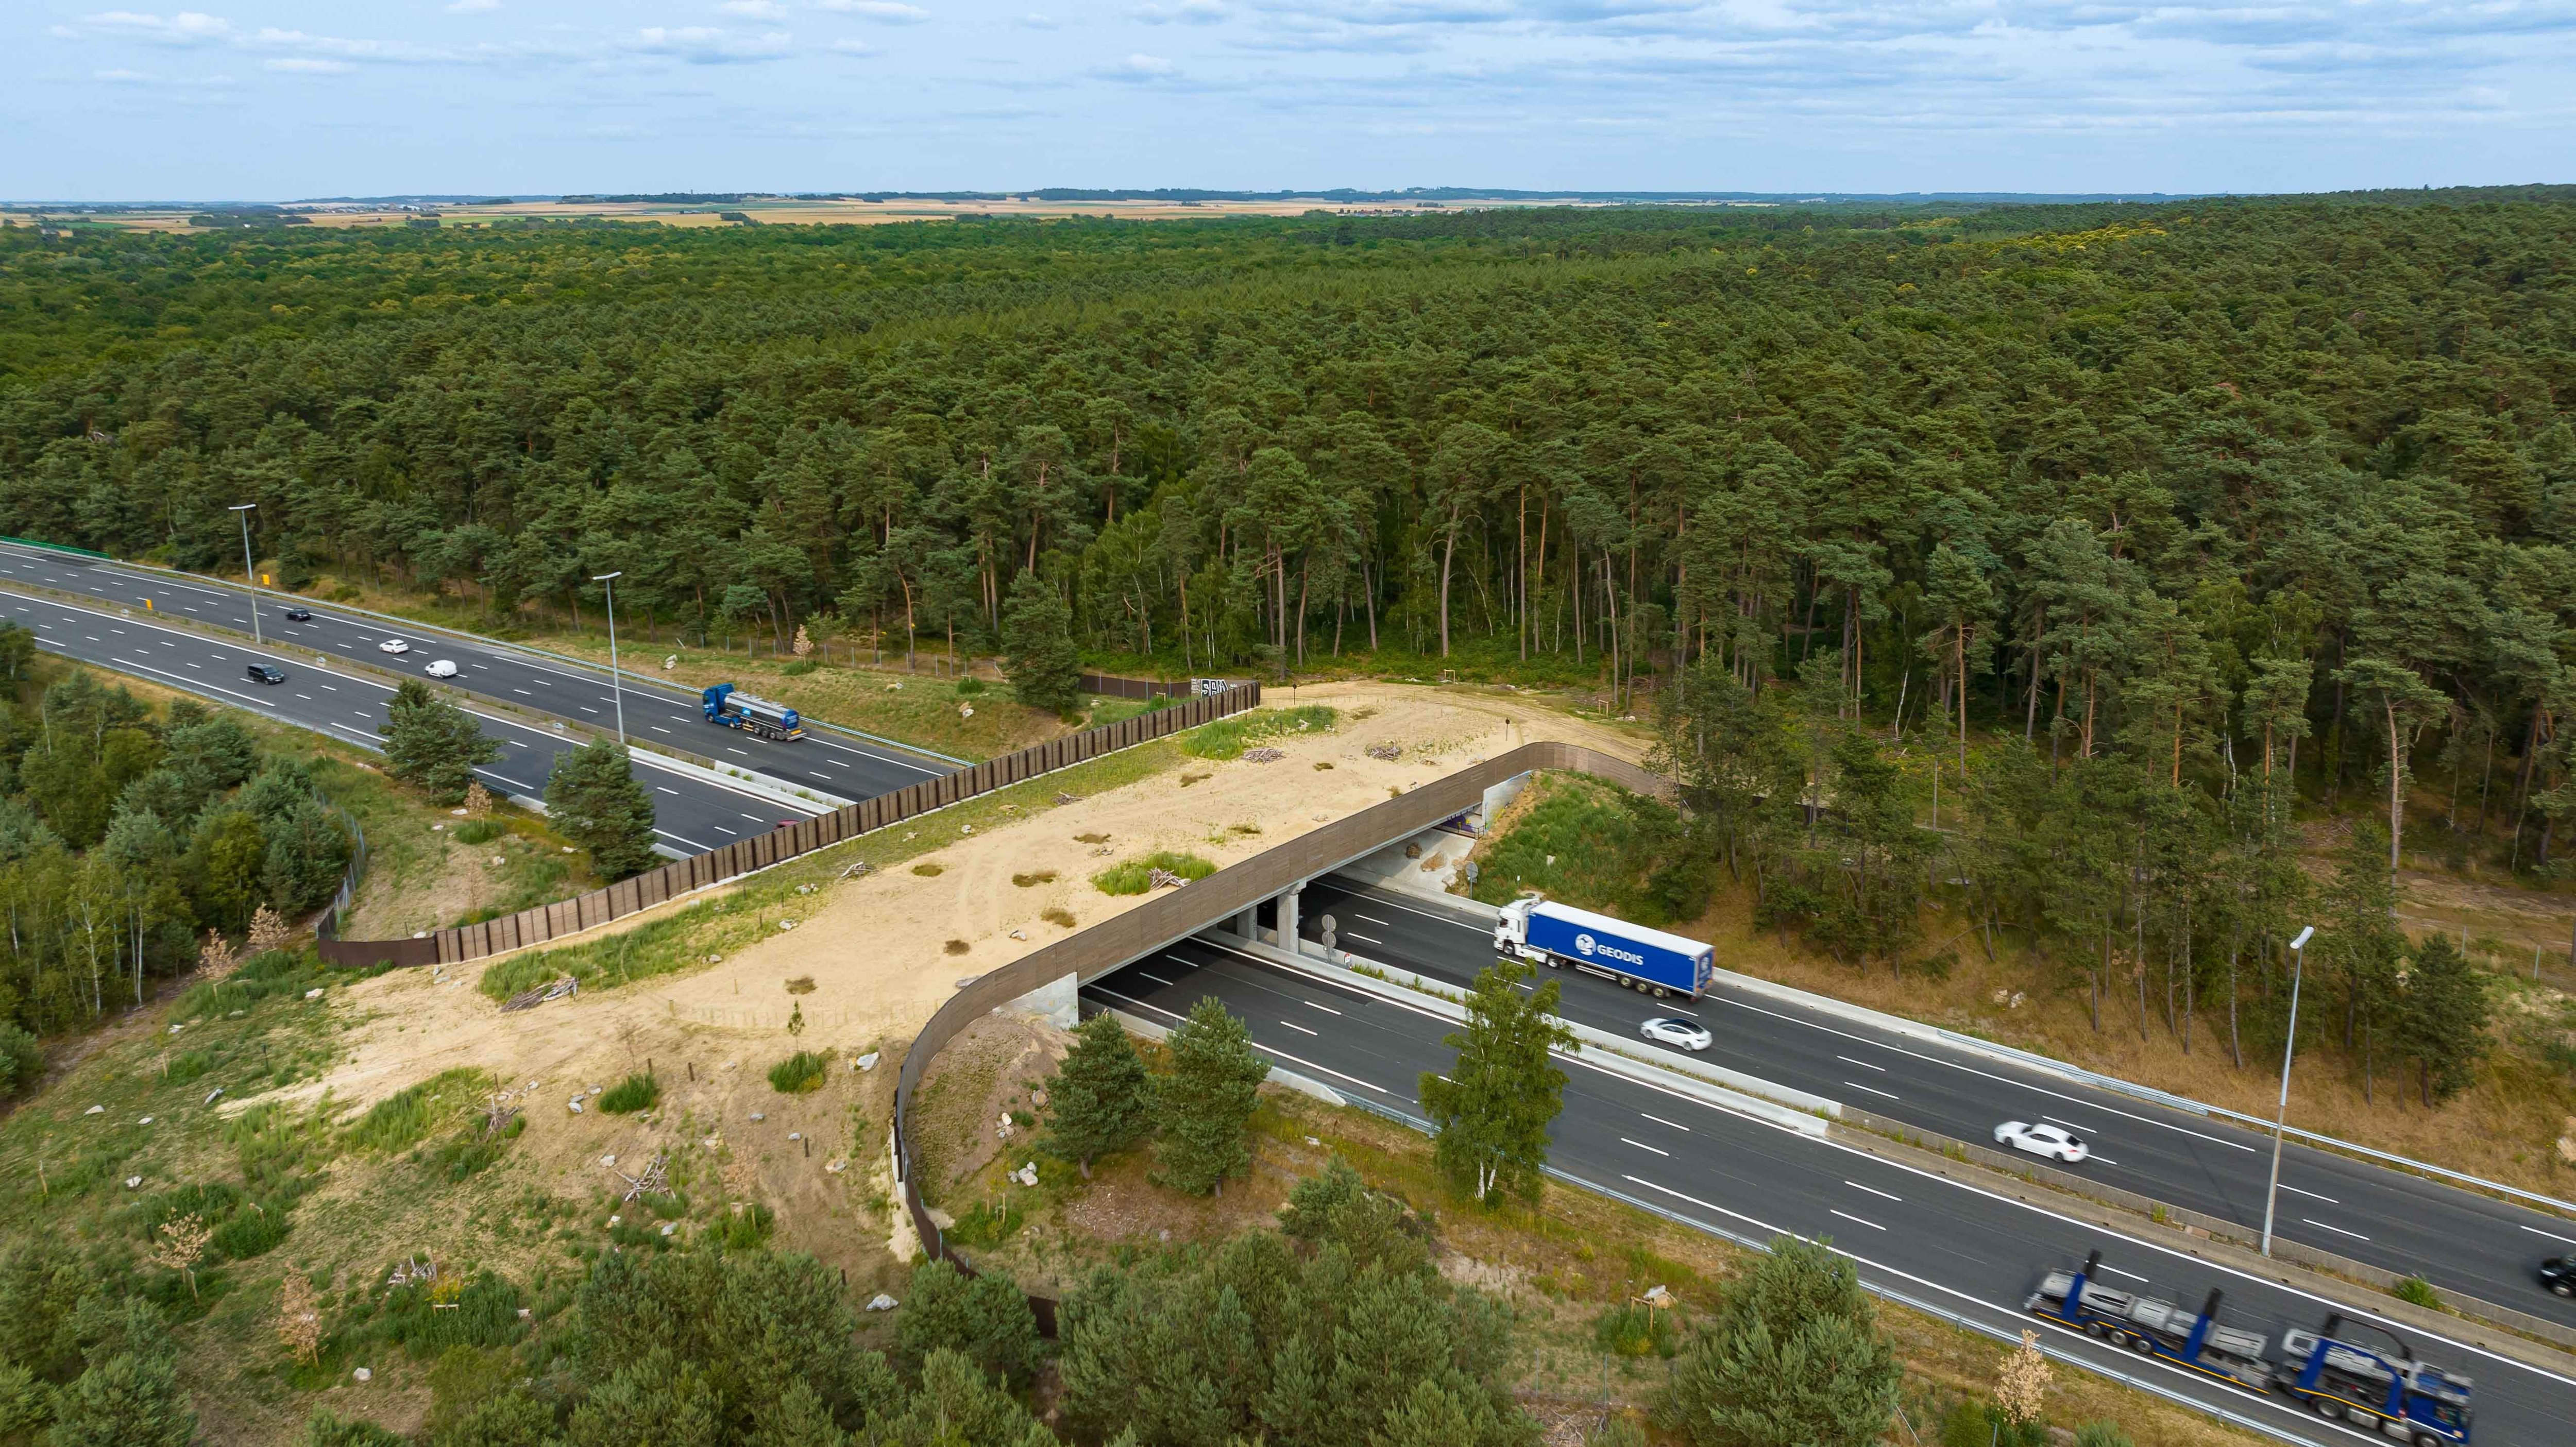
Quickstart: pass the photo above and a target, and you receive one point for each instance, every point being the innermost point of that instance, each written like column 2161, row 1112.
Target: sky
column 275, row 100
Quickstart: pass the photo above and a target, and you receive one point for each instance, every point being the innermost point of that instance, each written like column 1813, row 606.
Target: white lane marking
column 1873, row 1190
column 2133, row 1276
column 1328, row 1070
column 2338, row 1230
column 1848, row 1216
column 2536, row 1231
column 2313, row 1196
column 730, row 749
column 361, row 713
column 1990, row 1075
column 1641, row 1145
column 480, row 668
column 523, row 693
column 657, row 728
column 2105, row 1160
column 504, row 778
column 1157, row 979
column 1863, row 1064
column 1659, row 1120
column 692, row 843
column 674, row 793
column 2070, row 1125
column 754, row 818
column 308, row 698
column 736, row 833
column 335, row 688
column 1372, row 919
column 1874, row 1090
column 1300, row 1029
column 1364, row 939
column 1327, row 1009
column 585, row 708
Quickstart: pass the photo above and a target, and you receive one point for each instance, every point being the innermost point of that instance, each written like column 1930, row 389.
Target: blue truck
column 2382, row 1389
column 729, row 706
column 1562, row 937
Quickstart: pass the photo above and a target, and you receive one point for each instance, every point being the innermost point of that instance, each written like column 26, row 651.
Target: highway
column 693, row 814
column 655, row 713
column 2459, row 1240
column 1951, row 1245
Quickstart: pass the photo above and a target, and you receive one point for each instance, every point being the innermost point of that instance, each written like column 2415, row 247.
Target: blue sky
column 268, row 99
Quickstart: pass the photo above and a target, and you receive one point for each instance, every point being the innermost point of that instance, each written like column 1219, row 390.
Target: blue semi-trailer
column 1563, row 937
column 724, row 704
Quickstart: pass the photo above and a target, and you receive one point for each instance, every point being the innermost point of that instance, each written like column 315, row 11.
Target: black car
column 2559, row 1275
column 266, row 673
column 299, row 615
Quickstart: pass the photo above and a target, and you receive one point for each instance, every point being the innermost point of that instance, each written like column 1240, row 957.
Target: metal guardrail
column 658, row 886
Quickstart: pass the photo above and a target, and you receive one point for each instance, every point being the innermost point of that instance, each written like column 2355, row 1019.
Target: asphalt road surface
column 691, row 814
column 2459, row 1240
column 1948, row 1244
column 655, row 714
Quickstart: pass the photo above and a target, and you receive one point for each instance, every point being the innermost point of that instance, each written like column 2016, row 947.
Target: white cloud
column 1036, row 21
column 708, row 45
column 305, row 65
column 1139, row 68
column 1186, row 12
column 889, row 11
column 755, row 9
column 473, row 7
column 188, row 27
column 851, row 47
column 121, row 77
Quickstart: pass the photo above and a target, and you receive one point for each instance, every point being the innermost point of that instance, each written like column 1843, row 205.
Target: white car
column 2055, row 1142
column 440, row 668
column 393, row 645
column 1679, row 1034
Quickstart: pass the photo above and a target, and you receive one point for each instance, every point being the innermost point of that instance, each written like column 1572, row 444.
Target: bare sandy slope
column 877, row 947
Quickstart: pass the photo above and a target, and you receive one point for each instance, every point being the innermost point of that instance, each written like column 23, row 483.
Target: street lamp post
column 607, row 582
column 250, row 578
column 2280, row 1117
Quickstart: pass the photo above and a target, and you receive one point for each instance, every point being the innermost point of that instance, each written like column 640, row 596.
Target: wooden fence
column 553, row 921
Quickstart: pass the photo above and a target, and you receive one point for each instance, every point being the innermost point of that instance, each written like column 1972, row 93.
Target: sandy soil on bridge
column 880, row 950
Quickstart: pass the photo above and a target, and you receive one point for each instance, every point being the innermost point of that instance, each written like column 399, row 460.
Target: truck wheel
column 2326, row 1407
column 2141, row 1346
column 1659, row 992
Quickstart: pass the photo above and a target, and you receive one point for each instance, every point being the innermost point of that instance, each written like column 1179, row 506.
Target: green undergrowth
column 799, row 1073
column 1227, row 738
column 695, row 934
column 1135, row 876
column 634, row 1093
column 404, row 1119
column 1594, row 845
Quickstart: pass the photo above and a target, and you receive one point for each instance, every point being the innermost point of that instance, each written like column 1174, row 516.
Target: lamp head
column 2301, row 942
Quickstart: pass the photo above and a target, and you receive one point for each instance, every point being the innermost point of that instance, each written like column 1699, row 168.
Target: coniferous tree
column 593, row 798
column 432, row 744
column 1037, row 632
column 1793, row 1359
column 1100, row 1101
column 1203, row 1104
column 2442, row 1024
column 985, row 1317
column 1491, row 1112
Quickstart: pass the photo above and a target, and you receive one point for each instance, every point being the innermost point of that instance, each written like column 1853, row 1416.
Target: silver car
column 1677, row 1033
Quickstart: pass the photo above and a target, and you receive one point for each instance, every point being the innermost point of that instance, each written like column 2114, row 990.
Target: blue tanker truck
column 724, row 704
column 1562, row 937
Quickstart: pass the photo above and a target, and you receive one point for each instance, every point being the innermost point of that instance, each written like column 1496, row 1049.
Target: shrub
column 479, row 831
column 634, row 1093
column 22, row 1060
column 798, row 1073
column 2101, row 1434
column 1135, row 876
column 986, row 1225
column 2419, row 1291
column 329, row 1430
column 969, row 687
column 252, row 1232
column 1634, row 1330
column 985, row 1316
column 746, row 1228
column 800, row 668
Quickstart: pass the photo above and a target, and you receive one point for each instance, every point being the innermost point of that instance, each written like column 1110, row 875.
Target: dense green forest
column 2225, row 488
column 122, row 834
